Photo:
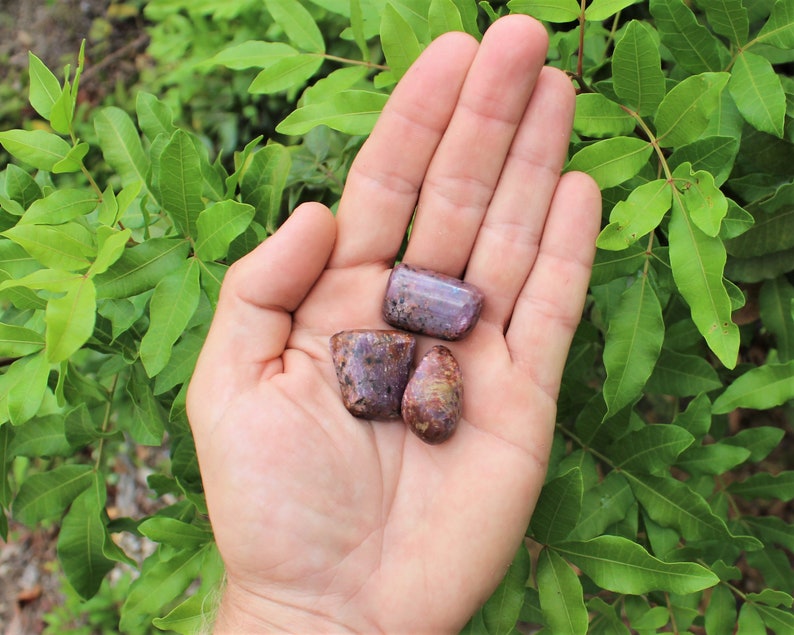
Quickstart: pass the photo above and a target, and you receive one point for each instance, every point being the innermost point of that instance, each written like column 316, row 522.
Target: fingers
column 549, row 306
column 507, row 241
column 467, row 165
column 253, row 321
column 384, row 180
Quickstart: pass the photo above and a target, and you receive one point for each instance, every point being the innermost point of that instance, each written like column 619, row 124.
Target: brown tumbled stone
column 433, row 400
column 372, row 367
column 431, row 303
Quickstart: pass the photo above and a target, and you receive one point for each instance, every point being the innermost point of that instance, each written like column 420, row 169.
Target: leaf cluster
column 655, row 510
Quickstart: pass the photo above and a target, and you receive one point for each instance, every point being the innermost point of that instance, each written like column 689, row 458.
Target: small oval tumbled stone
column 431, row 303
column 433, row 399
column 372, row 367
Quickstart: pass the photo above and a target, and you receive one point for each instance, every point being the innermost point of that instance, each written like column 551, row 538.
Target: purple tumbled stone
column 431, row 303
column 372, row 367
column 433, row 400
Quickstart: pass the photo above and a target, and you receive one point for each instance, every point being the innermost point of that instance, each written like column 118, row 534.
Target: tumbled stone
column 372, row 367
column 431, row 303
column 433, row 400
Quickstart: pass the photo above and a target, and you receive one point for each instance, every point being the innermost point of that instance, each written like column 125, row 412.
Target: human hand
column 325, row 522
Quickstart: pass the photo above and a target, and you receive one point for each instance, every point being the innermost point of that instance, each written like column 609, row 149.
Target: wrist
column 245, row 612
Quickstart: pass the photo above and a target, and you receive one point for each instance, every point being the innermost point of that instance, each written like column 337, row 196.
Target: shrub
column 657, row 513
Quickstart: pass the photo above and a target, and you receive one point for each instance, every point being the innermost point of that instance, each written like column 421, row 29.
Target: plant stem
column 106, row 420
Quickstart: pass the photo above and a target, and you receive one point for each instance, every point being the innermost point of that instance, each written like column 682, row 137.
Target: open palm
column 328, row 523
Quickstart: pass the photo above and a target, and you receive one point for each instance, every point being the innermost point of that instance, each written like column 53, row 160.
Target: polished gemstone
column 372, row 367
column 433, row 400
column 431, row 303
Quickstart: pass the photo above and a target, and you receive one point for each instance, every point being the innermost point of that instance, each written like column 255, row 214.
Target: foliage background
column 668, row 502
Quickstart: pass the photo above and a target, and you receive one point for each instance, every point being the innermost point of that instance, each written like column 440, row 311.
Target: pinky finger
column 549, row 306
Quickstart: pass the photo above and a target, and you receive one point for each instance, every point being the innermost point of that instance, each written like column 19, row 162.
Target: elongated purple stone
column 372, row 367
column 433, row 400
column 431, row 303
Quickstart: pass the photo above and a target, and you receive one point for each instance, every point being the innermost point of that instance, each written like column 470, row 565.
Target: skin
column 327, row 523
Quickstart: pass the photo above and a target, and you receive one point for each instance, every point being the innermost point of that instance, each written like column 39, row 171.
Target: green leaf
column 45, row 89
column 62, row 113
column 25, row 398
column 121, row 145
column 70, row 320
column 82, row 538
column 21, row 187
column 698, row 262
column 285, row 74
column 772, row 530
column 779, row 28
column 262, row 183
column 671, row 503
column 66, row 247
column 598, row 117
column 141, row 267
column 686, row 110
column 147, row 423
column 750, row 622
column 637, row 69
column 154, row 117
column 218, row 225
column 112, row 243
column 61, row 206
column 252, row 54
column 7, row 435
column 637, row 216
column 713, row 154
column 598, row 10
column 704, row 201
column 560, row 595
column 18, row 341
column 692, row 45
column 179, row 180
column 764, row 485
column 357, row 29
column 612, row 161
column 779, row 621
column 651, row 449
column 728, row 18
column 547, row 10
column 73, row 160
column 501, row 612
column 174, row 532
column 771, row 597
column 714, row 459
column 398, row 40
column 352, row 112
column 759, row 441
column 443, row 16
column 46, row 495
column 773, row 230
column 557, row 510
column 298, row 24
column 761, row 388
column 721, row 612
column 623, row 566
column 775, row 302
column 173, row 304
column 632, row 345
column 758, row 93
column 603, row 505
column 161, row 581
column 43, row 150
